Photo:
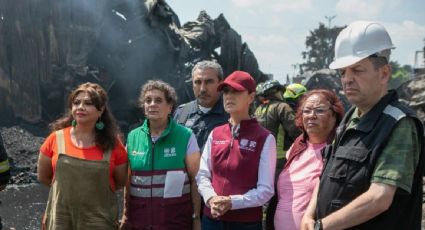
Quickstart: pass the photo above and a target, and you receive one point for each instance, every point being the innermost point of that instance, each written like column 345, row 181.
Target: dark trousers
column 212, row 224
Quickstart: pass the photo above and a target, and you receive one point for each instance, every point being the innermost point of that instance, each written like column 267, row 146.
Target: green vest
column 147, row 206
column 167, row 153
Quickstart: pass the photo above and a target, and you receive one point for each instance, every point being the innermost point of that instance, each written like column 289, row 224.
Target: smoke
column 60, row 44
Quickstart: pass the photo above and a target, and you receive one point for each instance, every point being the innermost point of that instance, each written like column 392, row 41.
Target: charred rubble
column 325, row 79
column 412, row 93
column 22, row 144
column 49, row 47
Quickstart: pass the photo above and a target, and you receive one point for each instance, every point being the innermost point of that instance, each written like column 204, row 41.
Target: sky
column 275, row 30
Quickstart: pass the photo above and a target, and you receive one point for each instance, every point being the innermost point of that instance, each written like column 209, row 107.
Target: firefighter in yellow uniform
column 277, row 116
column 4, row 169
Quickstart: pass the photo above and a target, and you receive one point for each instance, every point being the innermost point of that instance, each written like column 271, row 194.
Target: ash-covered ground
column 24, row 200
column 22, row 144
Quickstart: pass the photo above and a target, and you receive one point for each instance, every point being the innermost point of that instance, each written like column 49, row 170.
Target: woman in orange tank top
column 84, row 163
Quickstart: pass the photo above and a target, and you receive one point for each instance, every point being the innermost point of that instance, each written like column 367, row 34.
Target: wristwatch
column 318, row 225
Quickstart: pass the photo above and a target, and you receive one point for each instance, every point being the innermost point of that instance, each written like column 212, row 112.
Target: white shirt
column 252, row 198
column 204, row 109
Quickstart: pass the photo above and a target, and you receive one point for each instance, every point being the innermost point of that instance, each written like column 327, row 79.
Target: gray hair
column 202, row 65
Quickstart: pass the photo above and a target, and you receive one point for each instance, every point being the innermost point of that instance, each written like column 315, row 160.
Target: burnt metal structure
column 47, row 47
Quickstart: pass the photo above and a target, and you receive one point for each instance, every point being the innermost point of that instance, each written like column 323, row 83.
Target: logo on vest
column 220, row 142
column 247, row 145
column 137, row 153
column 170, row 152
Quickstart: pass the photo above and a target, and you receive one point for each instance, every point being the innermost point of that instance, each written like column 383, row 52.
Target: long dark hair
column 105, row 138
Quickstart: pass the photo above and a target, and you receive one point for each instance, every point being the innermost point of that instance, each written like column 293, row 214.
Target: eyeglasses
column 316, row 111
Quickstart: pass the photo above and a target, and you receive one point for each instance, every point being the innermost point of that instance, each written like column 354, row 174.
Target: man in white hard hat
column 372, row 178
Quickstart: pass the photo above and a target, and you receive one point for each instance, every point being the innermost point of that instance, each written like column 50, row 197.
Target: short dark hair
column 206, row 64
column 169, row 92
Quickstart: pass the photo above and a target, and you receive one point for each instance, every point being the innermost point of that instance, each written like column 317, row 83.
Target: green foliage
column 400, row 74
column 320, row 48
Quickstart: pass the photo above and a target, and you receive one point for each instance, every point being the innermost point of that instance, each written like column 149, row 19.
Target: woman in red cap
column 237, row 167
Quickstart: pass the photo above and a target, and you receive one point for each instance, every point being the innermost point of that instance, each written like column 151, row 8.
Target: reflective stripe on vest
column 60, row 141
column 157, row 179
column 4, row 166
column 156, row 192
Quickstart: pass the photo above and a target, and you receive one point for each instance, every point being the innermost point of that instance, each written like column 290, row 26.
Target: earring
column 74, row 123
column 100, row 125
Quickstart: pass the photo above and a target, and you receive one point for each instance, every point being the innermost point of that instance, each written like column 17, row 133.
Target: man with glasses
column 372, row 177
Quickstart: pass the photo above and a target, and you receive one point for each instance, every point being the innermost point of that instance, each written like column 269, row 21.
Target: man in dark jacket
column 205, row 112
column 372, row 177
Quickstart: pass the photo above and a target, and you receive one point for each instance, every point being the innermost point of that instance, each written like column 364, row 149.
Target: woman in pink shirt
column 318, row 115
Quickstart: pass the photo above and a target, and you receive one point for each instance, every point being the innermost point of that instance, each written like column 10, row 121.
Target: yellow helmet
column 294, row 90
column 259, row 89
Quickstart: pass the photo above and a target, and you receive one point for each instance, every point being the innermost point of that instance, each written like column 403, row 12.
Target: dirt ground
column 22, row 206
column 24, row 200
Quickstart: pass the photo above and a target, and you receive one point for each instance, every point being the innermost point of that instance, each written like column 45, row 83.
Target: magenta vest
column 235, row 162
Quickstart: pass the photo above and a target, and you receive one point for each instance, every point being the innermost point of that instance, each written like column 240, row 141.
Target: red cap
column 239, row 81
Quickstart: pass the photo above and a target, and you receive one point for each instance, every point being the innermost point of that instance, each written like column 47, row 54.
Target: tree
column 320, row 47
column 400, row 74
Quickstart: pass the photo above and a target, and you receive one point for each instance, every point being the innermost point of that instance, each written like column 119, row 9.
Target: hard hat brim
column 345, row 62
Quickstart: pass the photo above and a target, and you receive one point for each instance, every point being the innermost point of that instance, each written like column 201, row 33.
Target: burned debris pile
column 325, row 79
column 22, row 147
column 412, row 93
column 48, row 47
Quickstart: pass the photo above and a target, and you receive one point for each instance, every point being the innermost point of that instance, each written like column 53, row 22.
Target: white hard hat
column 359, row 40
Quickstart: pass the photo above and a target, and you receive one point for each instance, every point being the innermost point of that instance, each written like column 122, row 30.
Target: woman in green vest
column 161, row 192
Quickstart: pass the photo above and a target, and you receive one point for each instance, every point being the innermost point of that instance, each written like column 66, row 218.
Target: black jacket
column 350, row 163
column 201, row 123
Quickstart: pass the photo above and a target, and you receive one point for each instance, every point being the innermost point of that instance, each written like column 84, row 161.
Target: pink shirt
column 295, row 187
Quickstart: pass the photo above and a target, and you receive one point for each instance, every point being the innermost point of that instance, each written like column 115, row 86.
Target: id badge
column 189, row 123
